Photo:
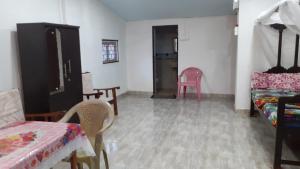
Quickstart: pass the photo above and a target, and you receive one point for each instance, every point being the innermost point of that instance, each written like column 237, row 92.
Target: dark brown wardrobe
column 50, row 66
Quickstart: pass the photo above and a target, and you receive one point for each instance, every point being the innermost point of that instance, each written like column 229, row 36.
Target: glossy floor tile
column 187, row 134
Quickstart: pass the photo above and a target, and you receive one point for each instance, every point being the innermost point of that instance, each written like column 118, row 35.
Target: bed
column 275, row 94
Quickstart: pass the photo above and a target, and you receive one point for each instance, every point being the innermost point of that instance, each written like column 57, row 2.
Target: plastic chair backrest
column 92, row 115
column 191, row 74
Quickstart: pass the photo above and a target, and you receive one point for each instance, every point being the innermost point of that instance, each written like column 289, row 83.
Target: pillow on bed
column 288, row 81
column 259, row 80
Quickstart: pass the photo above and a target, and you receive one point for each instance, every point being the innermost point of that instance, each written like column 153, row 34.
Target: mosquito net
column 265, row 40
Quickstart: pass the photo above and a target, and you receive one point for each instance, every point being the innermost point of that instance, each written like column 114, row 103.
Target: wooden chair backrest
column 11, row 109
column 87, row 83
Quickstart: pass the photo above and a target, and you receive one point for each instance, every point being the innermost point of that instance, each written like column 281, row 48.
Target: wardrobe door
column 56, row 72
column 72, row 65
column 34, row 67
column 55, row 69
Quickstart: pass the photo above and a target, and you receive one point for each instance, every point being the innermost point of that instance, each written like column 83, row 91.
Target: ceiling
column 133, row 10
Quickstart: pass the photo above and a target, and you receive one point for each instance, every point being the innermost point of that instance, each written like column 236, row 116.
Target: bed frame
column 282, row 130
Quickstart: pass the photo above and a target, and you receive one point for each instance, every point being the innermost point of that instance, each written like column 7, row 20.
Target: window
column 110, row 51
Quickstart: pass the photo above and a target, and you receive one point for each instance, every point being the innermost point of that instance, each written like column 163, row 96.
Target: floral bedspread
column 266, row 101
column 27, row 145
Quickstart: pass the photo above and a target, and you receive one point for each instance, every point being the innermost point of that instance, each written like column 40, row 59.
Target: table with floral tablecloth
column 30, row 145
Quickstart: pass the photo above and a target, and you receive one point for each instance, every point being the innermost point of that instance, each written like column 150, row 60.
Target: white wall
column 12, row 12
column 207, row 43
column 249, row 57
column 97, row 22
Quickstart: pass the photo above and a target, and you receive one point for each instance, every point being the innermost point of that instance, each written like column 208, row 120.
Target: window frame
column 105, row 55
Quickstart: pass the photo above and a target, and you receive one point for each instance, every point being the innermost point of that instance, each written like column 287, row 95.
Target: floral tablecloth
column 30, row 145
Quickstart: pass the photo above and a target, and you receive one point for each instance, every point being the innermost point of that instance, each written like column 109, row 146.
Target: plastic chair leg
column 80, row 165
column 105, row 159
column 178, row 91
column 184, row 91
column 198, row 92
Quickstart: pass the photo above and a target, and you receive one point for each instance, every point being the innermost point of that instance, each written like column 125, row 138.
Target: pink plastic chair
column 190, row 77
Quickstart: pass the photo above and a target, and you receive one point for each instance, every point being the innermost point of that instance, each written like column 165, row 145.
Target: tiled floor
column 187, row 134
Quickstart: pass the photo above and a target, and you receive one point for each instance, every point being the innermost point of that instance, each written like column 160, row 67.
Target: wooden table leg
column 73, row 160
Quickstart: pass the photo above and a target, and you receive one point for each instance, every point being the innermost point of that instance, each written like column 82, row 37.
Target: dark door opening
column 165, row 61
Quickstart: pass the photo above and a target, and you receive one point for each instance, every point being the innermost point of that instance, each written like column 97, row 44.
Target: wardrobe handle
column 65, row 71
column 70, row 66
column 69, row 70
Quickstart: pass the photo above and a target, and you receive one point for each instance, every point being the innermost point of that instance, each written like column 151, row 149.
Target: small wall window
column 110, row 51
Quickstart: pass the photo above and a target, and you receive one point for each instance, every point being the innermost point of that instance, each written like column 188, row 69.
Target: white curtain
column 265, row 40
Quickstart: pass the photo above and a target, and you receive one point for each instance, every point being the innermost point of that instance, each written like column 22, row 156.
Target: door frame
column 154, row 53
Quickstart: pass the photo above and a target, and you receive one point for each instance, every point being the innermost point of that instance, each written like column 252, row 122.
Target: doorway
column 165, row 61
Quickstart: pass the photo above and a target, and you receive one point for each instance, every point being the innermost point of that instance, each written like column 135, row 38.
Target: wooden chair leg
column 116, row 107
column 73, row 160
column 115, row 103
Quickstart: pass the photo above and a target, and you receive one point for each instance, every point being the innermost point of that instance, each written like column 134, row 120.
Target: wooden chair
column 89, row 91
column 11, row 109
column 49, row 117
column 95, row 116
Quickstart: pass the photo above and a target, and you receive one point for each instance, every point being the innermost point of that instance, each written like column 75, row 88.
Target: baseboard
column 227, row 96
column 242, row 111
column 141, row 93
column 210, row 95
column 204, row 95
column 122, row 95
